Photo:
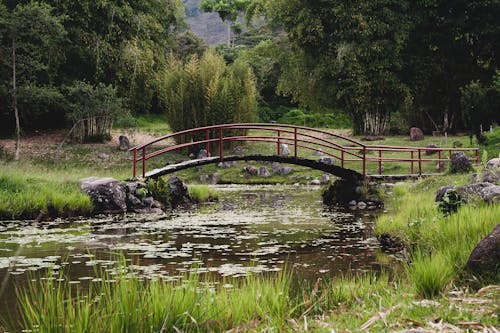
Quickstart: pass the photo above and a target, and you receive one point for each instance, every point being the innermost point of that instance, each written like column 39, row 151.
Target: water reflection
column 252, row 229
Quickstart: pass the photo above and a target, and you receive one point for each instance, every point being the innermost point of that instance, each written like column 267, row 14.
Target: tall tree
column 345, row 53
column 452, row 44
column 33, row 35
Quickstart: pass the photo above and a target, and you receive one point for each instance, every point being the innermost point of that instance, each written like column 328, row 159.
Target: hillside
column 206, row 25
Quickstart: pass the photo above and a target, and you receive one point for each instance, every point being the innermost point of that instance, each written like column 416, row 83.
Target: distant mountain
column 208, row 26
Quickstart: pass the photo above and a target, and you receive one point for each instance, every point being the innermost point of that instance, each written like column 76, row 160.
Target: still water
column 252, row 229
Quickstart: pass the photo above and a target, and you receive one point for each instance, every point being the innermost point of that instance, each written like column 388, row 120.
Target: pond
column 252, row 229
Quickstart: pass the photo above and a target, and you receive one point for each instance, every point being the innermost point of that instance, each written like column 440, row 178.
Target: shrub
column 206, row 91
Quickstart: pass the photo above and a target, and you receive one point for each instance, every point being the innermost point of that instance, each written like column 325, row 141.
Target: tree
column 452, row 44
column 345, row 54
column 206, row 91
column 32, row 35
column 228, row 11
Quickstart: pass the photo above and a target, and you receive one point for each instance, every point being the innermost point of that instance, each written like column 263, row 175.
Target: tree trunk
column 14, row 100
column 229, row 33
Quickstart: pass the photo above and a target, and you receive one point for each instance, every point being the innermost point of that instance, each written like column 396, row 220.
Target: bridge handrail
column 243, row 126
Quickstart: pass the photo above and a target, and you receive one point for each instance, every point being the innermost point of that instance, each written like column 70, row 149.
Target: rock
column 132, row 187
column 237, row 150
column 276, row 167
column 474, row 178
column 485, row 258
column 326, row 160
column 352, row 203
column 202, row 154
column 264, row 172
column 416, row 134
column 493, row 164
column 491, row 177
column 103, row 156
column 204, row 178
column 361, row 205
column 133, row 201
column 124, row 143
column 284, row 150
column 460, row 163
column 157, row 204
column 490, row 194
column 226, row 164
column 147, row 202
column 441, row 191
column 373, row 138
column 325, row 179
column 178, row 192
column 107, row 194
column 431, row 152
column 315, row 182
column 286, row 170
column 472, row 191
column 215, row 178
column 250, row 170
column 390, row 243
column 341, row 192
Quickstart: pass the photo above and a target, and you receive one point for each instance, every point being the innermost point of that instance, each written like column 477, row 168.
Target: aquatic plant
column 202, row 193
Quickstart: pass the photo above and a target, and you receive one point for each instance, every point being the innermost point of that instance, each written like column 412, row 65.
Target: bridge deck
column 332, row 169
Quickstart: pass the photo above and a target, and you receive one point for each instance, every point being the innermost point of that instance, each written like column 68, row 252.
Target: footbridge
column 340, row 155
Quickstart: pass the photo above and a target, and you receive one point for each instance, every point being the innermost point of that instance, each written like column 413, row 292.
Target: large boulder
column 491, row 194
column 108, row 195
column 264, row 172
column 491, row 177
column 472, row 191
column 178, row 192
column 485, row 258
column 124, row 143
column 416, row 134
column 442, row 191
column 460, row 163
column 493, row 164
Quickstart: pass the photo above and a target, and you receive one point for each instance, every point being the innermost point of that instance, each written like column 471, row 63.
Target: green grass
column 202, row 193
column 492, row 144
column 439, row 245
column 276, row 302
column 26, row 197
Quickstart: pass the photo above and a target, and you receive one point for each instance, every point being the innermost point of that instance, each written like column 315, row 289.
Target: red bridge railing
column 325, row 142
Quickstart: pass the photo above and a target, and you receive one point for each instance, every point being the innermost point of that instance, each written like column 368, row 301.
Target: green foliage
column 430, row 273
column 93, row 110
column 491, row 144
column 450, row 202
column 205, row 92
column 335, row 119
column 202, row 193
column 158, row 188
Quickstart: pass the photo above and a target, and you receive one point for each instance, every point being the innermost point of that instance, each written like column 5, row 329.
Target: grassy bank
column 272, row 303
column 28, row 193
column 439, row 245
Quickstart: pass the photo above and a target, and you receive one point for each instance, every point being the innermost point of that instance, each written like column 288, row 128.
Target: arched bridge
column 341, row 156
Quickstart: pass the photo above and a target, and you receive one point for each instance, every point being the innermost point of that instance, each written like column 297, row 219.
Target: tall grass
column 202, row 193
column 130, row 304
column 439, row 245
column 27, row 196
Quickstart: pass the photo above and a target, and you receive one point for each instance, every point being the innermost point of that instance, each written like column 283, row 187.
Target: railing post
column 477, row 156
column 439, row 161
column 380, row 162
column 207, row 145
column 143, row 162
column 342, row 158
column 419, row 162
column 412, row 158
column 135, row 162
column 364, row 161
column 279, row 143
column 295, row 141
column 221, row 156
